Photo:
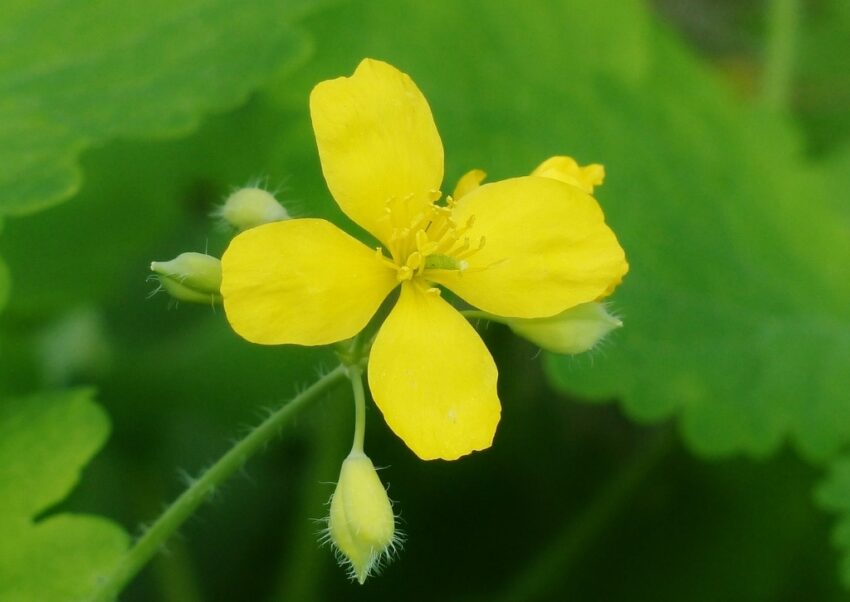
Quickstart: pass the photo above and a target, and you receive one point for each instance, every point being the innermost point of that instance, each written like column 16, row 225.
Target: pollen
column 427, row 240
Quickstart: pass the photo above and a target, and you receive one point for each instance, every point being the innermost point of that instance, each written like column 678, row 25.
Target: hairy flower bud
column 573, row 331
column 361, row 525
column 250, row 207
column 193, row 277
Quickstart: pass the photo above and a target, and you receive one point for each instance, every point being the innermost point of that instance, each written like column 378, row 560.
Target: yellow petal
column 566, row 169
column 547, row 248
column 301, row 281
column 468, row 182
column 377, row 140
column 433, row 378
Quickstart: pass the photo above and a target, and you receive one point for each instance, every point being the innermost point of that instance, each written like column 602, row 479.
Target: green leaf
column 836, row 171
column 45, row 440
column 5, row 284
column 834, row 494
column 735, row 308
column 167, row 190
column 75, row 74
column 734, row 318
column 823, row 74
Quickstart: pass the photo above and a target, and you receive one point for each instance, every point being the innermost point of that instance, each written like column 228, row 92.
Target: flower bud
column 468, row 182
column 566, row 169
column 193, row 277
column 573, row 331
column 250, row 207
column 361, row 525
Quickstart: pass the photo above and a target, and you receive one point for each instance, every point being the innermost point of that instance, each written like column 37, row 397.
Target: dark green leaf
column 834, row 494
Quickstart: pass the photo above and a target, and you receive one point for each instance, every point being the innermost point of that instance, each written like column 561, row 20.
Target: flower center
column 428, row 240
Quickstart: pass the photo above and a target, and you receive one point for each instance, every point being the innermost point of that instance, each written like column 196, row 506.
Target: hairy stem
column 147, row 546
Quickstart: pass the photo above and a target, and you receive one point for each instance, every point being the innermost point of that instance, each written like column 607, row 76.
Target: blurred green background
column 691, row 457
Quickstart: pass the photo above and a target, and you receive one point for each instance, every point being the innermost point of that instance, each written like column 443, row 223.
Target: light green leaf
column 45, row 440
column 74, row 74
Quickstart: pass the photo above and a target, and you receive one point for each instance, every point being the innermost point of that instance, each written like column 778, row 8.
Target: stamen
column 461, row 248
column 446, row 242
column 414, row 260
column 466, row 252
column 379, row 254
column 428, row 240
column 423, row 244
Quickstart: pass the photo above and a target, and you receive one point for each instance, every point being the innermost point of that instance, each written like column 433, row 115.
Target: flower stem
column 355, row 374
column 783, row 18
column 182, row 508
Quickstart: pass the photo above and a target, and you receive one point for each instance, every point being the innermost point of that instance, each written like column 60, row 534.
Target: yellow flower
column 305, row 281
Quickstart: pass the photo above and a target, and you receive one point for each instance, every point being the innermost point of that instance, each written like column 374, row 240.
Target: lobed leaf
column 45, row 441
column 75, row 74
